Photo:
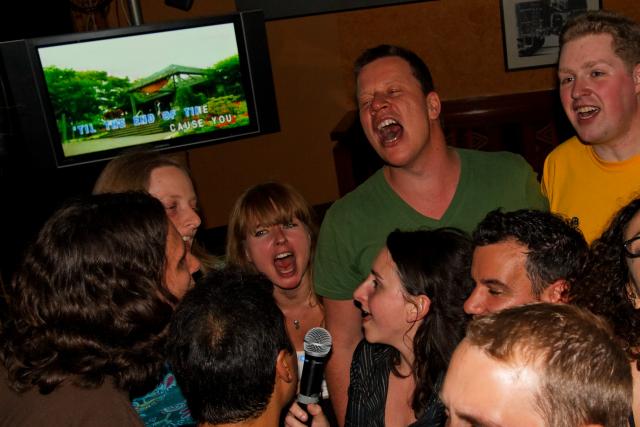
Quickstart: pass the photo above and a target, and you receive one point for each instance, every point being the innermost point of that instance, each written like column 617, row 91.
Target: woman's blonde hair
column 267, row 204
column 132, row 171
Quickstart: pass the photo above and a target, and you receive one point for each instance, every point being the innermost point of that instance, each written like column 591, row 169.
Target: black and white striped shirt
column 370, row 370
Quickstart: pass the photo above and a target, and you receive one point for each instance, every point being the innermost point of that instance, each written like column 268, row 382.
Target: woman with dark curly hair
column 413, row 318
column 89, row 310
column 611, row 285
column 169, row 181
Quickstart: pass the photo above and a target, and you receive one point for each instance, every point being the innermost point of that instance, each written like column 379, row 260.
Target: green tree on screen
column 84, row 96
column 226, row 76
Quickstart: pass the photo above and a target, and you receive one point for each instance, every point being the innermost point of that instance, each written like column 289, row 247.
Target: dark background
column 29, row 194
column 278, row 9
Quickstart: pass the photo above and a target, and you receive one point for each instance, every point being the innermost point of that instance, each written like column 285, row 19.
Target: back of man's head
column 584, row 376
column 624, row 32
column 556, row 250
column 224, row 341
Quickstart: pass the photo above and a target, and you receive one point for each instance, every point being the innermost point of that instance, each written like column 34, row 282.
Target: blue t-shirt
column 164, row 406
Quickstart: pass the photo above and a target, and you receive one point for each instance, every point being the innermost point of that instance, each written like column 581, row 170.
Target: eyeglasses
column 632, row 247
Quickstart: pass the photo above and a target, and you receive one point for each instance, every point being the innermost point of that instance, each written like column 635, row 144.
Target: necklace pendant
column 296, row 323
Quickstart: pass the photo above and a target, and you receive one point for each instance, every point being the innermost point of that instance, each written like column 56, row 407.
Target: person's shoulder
column 373, row 351
column 565, row 149
column 368, row 354
column 104, row 405
column 70, row 404
column 497, row 160
column 503, row 178
column 358, row 197
column 480, row 155
column 370, row 185
column 164, row 403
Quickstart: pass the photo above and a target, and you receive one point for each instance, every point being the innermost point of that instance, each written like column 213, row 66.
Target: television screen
column 167, row 86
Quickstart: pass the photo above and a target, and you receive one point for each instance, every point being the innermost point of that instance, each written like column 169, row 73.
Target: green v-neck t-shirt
column 355, row 227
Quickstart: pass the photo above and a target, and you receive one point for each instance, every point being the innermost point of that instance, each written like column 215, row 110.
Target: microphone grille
column 317, row 342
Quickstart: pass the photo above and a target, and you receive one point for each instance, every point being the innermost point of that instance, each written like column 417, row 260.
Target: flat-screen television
column 86, row 97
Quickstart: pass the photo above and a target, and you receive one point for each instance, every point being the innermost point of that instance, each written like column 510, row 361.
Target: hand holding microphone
column 313, row 416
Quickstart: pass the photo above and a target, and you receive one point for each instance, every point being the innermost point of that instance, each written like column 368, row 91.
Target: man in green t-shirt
column 424, row 183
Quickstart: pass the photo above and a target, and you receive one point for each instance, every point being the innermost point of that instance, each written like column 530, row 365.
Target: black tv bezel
column 35, row 120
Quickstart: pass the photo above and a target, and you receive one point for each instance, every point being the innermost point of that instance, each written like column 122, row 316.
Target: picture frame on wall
column 531, row 29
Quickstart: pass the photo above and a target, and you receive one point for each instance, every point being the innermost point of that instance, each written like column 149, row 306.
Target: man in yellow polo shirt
column 592, row 175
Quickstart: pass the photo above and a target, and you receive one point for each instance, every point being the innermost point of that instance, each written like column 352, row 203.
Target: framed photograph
column 530, row 29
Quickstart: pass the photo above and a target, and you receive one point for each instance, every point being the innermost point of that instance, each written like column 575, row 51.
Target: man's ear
column 419, row 308
column 636, row 78
column 556, row 292
column 433, row 105
column 284, row 369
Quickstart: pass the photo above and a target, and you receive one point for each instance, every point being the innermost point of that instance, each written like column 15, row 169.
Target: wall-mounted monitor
column 86, row 97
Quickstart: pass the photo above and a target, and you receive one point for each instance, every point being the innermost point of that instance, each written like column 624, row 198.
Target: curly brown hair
column 603, row 288
column 89, row 299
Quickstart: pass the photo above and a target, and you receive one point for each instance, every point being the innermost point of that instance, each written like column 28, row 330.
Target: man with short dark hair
column 424, row 184
column 230, row 352
column 522, row 257
column 538, row 365
column 593, row 175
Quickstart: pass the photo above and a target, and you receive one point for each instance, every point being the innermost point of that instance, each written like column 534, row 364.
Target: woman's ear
column 632, row 293
column 420, row 308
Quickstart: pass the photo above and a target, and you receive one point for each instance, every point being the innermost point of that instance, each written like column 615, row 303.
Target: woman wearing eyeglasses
column 611, row 286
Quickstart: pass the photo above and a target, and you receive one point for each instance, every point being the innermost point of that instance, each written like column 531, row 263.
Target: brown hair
column 268, row 203
column 603, row 287
column 625, row 33
column 585, row 377
column 89, row 300
column 435, row 263
column 419, row 68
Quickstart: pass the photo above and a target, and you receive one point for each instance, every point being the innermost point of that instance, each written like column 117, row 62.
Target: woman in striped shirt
column 412, row 314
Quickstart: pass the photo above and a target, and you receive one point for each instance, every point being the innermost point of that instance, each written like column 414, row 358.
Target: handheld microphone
column 317, row 345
